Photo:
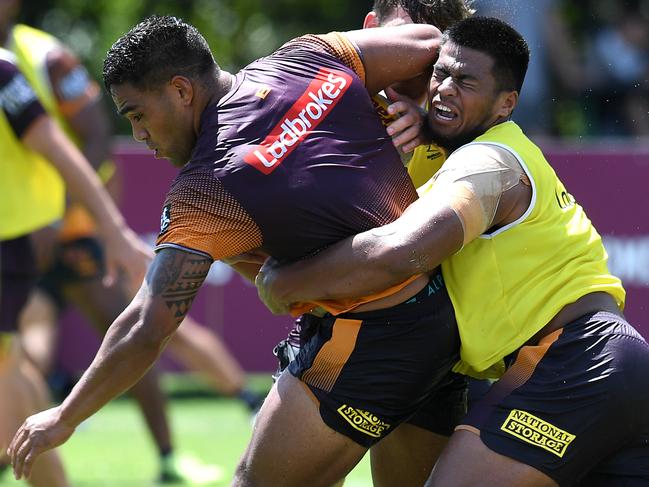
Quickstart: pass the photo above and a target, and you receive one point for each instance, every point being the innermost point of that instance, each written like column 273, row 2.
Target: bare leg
column 39, row 331
column 201, row 350
column 291, row 446
column 102, row 305
column 405, row 457
column 22, row 393
column 467, row 462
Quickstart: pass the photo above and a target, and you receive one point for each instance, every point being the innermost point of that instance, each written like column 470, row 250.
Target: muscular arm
column 136, row 338
column 133, row 343
column 392, row 54
column 369, row 262
column 478, row 188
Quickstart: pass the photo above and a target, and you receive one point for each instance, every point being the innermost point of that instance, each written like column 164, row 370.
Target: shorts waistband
column 435, row 287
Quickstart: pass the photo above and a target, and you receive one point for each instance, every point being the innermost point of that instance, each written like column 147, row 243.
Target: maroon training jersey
column 292, row 159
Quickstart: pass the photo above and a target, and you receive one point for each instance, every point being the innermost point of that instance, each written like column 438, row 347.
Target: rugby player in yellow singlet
column 536, row 305
column 39, row 164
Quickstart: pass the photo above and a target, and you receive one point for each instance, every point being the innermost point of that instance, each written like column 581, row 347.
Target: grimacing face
column 159, row 119
column 464, row 96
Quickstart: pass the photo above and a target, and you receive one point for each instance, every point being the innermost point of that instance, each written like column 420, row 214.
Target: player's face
column 464, row 96
column 159, row 119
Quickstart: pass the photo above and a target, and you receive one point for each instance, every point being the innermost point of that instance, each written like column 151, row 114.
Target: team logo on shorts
column 363, row 421
column 535, row 431
column 165, row 219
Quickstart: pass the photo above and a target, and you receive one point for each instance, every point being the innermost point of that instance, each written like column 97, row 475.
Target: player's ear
column 371, row 20
column 506, row 103
column 183, row 89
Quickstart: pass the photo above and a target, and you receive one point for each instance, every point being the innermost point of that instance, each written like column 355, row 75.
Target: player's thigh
column 405, row 457
column 467, row 462
column 39, row 329
column 291, row 445
column 99, row 303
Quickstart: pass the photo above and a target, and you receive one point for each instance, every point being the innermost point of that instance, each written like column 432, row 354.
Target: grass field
column 113, row 449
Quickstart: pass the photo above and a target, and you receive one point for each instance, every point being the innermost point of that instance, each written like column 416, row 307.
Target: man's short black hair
column 499, row 41
column 154, row 51
column 440, row 13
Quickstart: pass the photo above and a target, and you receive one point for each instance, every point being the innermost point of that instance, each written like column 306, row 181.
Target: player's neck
column 222, row 86
column 211, row 94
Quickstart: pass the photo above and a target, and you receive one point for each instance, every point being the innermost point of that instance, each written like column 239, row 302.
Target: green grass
column 113, row 448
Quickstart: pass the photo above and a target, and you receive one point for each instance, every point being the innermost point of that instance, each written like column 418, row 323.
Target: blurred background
column 585, row 102
column 590, row 58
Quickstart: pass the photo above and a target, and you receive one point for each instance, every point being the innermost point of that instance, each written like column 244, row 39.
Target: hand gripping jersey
column 425, row 160
column 293, row 159
column 507, row 284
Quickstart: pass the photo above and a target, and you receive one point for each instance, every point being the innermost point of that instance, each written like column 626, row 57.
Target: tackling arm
column 131, row 345
column 369, row 262
column 392, row 54
column 478, row 188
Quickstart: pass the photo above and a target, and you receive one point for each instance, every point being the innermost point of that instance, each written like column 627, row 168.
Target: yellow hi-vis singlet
column 506, row 285
column 31, row 47
column 426, row 161
column 32, row 192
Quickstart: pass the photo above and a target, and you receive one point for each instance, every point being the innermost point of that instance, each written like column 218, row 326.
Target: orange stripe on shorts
column 333, row 355
column 528, row 358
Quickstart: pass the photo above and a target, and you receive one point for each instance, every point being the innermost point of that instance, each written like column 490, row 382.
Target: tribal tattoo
column 176, row 276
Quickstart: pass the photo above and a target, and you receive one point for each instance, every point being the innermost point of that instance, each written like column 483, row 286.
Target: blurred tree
column 238, row 31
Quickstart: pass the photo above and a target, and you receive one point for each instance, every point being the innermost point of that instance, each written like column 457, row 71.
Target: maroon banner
column 607, row 180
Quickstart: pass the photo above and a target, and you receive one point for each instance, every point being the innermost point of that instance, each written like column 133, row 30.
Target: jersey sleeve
column 18, row 100
column 335, row 44
column 72, row 85
column 201, row 216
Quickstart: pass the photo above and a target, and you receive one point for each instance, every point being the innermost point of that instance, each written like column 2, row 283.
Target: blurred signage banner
column 610, row 183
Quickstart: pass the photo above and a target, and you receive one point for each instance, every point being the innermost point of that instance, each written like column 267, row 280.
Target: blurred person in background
column 71, row 255
column 39, row 163
column 599, row 54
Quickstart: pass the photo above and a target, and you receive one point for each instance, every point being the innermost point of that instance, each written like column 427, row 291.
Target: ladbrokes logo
column 324, row 93
column 363, row 421
column 537, row 432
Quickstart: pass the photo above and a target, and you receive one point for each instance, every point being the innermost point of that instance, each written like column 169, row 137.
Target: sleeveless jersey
column 506, row 285
column 293, row 159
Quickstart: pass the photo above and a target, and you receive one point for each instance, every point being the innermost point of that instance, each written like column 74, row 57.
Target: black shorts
column 575, row 406
column 74, row 262
column 18, row 276
column 371, row 371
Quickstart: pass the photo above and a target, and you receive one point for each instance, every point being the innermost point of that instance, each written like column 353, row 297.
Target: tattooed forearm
column 176, row 276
